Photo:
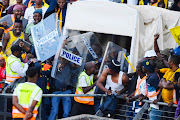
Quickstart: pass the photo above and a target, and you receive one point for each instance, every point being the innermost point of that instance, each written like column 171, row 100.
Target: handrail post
column 5, row 107
column 178, row 118
column 140, row 113
column 40, row 108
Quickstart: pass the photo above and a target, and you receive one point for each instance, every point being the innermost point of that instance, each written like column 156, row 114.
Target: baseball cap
column 148, row 66
column 16, row 48
column 38, row 11
column 166, row 52
column 177, row 51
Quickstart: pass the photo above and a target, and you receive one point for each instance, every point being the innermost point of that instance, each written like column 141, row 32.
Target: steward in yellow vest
column 15, row 69
column 27, row 97
column 85, row 85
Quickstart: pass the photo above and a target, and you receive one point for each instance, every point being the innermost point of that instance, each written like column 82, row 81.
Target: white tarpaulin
column 97, row 16
column 140, row 22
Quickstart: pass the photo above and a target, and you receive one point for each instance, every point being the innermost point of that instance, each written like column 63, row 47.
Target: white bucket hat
column 150, row 53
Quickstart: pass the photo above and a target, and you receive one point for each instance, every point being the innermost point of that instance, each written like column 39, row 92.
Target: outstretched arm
column 156, row 48
column 5, row 41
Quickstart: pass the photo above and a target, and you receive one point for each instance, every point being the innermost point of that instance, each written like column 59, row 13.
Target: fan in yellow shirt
column 173, row 62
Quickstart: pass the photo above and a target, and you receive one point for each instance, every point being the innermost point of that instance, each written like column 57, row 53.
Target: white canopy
column 139, row 22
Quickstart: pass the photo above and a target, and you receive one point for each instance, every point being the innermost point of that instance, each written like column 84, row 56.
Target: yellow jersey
column 11, row 40
column 167, row 95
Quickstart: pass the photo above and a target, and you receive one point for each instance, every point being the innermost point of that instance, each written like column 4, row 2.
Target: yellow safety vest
column 174, row 97
column 26, row 94
column 11, row 40
column 1, row 10
column 85, row 100
column 10, row 75
column 137, row 89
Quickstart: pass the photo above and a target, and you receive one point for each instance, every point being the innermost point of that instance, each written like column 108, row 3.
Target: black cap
column 16, row 48
column 114, row 65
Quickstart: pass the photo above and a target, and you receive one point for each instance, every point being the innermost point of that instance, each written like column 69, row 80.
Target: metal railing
column 122, row 109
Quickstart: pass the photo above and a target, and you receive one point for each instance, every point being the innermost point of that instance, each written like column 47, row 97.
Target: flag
column 176, row 34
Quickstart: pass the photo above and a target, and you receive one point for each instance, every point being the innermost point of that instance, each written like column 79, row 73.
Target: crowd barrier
column 121, row 112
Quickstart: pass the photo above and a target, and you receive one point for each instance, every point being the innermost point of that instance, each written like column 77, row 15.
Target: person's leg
column 46, row 107
column 137, row 108
column 155, row 114
column 76, row 109
column 91, row 109
column 97, row 103
column 55, row 106
column 67, row 104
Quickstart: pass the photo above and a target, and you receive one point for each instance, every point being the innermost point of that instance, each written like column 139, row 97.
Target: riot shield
column 116, row 52
column 72, row 56
column 46, row 37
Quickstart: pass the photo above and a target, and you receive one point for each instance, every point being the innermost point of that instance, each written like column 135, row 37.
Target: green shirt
column 28, row 31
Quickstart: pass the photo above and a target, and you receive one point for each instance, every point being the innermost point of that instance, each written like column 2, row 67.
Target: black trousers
column 79, row 108
column 17, row 118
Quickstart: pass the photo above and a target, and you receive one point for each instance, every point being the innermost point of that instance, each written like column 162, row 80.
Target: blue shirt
column 152, row 82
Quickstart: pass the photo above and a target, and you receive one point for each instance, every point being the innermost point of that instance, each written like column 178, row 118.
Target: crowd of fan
column 167, row 4
column 156, row 77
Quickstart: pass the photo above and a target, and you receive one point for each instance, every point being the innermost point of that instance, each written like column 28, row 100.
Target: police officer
column 63, row 77
column 44, row 81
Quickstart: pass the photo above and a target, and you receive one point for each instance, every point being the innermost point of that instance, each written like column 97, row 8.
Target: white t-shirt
column 37, row 97
column 142, row 86
column 18, row 68
column 29, row 13
column 114, row 86
column 82, row 81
